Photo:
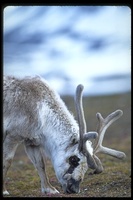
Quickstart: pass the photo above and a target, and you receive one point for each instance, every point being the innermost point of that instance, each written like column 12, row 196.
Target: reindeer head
column 83, row 152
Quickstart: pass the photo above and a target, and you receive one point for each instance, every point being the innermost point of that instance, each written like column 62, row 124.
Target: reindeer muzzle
column 72, row 186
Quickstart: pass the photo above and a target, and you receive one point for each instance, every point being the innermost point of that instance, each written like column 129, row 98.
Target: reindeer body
column 33, row 110
column 35, row 115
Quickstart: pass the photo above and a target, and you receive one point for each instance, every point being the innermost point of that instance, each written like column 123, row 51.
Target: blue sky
column 69, row 45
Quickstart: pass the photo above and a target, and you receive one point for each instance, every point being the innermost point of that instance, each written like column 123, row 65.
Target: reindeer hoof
column 5, row 192
column 50, row 191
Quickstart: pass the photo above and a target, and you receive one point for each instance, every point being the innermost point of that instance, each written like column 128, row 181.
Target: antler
column 81, row 119
column 103, row 125
column 84, row 146
column 82, row 128
column 80, row 114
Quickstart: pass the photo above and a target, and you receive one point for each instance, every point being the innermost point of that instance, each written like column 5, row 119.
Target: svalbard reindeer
column 35, row 115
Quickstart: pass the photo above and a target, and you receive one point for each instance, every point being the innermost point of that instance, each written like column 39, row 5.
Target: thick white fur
column 35, row 114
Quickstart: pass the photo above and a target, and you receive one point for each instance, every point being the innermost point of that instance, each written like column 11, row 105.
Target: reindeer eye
column 73, row 160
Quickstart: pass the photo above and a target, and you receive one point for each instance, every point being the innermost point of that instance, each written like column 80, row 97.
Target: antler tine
column 80, row 114
column 103, row 125
column 84, row 136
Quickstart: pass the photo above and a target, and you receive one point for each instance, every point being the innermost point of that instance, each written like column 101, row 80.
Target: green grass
column 114, row 181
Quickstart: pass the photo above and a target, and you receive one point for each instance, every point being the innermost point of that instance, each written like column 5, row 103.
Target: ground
column 114, row 181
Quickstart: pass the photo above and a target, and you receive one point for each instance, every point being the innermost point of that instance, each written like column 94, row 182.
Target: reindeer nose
column 72, row 186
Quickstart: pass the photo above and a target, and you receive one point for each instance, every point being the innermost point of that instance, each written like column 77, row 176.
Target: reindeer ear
column 88, row 149
column 90, row 160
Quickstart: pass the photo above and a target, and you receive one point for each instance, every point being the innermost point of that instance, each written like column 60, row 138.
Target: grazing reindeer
column 35, row 115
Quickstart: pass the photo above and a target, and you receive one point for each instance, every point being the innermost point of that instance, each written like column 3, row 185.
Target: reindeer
column 35, row 115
